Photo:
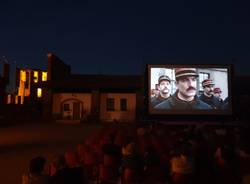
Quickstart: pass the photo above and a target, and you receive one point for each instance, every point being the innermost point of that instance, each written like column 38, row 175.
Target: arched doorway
column 72, row 109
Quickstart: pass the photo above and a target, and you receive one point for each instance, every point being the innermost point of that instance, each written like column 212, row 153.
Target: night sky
column 120, row 37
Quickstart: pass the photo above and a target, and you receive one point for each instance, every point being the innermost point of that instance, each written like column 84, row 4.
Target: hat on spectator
column 207, row 82
column 162, row 78
column 185, row 72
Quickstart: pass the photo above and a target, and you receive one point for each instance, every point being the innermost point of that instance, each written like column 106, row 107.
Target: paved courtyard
column 19, row 143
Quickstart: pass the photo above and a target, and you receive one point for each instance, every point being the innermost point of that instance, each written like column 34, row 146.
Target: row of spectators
column 151, row 154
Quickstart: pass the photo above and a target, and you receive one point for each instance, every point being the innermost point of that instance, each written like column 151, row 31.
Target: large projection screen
column 189, row 89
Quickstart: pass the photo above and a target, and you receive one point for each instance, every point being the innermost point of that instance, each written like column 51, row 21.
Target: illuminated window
column 9, row 99
column 35, row 76
column 39, row 92
column 44, row 76
column 16, row 99
column 23, row 75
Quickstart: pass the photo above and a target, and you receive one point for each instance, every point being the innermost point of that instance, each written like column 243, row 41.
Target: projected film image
column 189, row 90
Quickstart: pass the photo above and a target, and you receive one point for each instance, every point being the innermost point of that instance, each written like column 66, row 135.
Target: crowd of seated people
column 151, row 154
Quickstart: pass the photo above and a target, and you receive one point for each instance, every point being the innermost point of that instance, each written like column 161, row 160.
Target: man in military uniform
column 163, row 87
column 208, row 97
column 217, row 93
column 185, row 96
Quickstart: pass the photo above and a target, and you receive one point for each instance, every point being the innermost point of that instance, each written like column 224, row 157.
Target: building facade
column 29, row 86
column 90, row 97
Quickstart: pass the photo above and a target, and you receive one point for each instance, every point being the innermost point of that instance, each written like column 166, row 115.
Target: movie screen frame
column 218, row 76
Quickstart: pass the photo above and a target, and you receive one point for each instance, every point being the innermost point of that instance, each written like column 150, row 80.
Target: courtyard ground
column 21, row 142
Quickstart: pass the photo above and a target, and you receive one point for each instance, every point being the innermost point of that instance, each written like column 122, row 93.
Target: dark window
column 110, row 104
column 66, row 107
column 123, row 104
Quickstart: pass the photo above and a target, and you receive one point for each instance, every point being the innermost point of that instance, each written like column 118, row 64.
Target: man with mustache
column 208, row 96
column 163, row 87
column 185, row 96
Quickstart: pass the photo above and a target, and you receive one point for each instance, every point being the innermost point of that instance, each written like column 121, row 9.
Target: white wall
column 124, row 116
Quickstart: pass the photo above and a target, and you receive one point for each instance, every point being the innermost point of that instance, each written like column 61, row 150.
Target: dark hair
column 37, row 165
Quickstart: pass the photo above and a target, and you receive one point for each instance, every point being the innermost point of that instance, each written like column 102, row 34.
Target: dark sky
column 120, row 37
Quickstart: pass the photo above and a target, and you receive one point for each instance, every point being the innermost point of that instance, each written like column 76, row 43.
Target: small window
column 9, row 99
column 123, row 104
column 16, row 99
column 23, row 75
column 66, row 107
column 35, row 76
column 44, row 76
column 39, row 92
column 110, row 104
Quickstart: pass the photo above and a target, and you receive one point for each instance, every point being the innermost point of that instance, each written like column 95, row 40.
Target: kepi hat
column 185, row 72
column 162, row 78
column 207, row 82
